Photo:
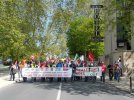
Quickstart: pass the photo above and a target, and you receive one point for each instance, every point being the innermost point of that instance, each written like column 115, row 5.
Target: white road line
column 59, row 92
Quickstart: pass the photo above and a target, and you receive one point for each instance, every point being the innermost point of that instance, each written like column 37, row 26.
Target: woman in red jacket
column 103, row 67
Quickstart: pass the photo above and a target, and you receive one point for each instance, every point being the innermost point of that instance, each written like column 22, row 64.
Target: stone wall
column 129, row 62
column 127, row 58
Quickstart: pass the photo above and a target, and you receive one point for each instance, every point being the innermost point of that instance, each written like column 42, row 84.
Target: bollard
column 130, row 84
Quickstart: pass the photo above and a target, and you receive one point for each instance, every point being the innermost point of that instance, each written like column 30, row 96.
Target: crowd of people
column 113, row 70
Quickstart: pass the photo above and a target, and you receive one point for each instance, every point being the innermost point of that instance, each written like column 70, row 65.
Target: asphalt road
column 63, row 91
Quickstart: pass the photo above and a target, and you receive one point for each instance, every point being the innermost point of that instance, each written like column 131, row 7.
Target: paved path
column 4, row 70
column 63, row 91
column 4, row 81
column 123, row 85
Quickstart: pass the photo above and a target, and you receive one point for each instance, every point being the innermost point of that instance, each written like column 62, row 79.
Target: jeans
column 12, row 76
column 72, row 77
column 117, row 76
column 19, row 74
column 103, row 77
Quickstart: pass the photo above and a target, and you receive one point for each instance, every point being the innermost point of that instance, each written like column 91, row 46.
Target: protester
column 73, row 66
column 50, row 66
column 103, row 67
column 59, row 66
column 33, row 65
column 17, row 63
column 121, row 67
column 116, row 72
column 110, row 71
column 65, row 66
column 12, row 72
column 43, row 65
column 24, row 64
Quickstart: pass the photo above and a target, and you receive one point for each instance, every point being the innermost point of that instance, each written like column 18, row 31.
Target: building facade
column 119, row 28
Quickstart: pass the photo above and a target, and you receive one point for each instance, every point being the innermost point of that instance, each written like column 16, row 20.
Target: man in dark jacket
column 110, row 70
column 59, row 66
column 73, row 66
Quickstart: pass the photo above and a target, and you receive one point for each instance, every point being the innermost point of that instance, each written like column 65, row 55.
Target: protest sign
column 47, row 72
column 88, row 71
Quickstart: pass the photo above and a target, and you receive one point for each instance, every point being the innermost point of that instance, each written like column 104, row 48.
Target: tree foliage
column 80, row 37
column 30, row 27
column 20, row 24
column 120, row 13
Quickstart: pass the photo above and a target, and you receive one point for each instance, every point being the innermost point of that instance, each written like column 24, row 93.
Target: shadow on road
column 84, row 88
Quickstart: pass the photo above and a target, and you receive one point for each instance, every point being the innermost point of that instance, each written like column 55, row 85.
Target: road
column 63, row 91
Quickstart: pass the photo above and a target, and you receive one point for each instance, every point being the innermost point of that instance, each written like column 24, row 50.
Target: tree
column 32, row 21
column 80, row 37
column 21, row 24
column 11, row 39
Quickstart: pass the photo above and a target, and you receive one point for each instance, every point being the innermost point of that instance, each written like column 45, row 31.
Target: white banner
column 46, row 72
column 88, row 71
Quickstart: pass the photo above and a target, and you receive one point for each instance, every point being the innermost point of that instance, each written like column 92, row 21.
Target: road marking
column 59, row 92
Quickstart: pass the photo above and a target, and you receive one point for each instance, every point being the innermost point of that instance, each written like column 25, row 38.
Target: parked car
column 7, row 62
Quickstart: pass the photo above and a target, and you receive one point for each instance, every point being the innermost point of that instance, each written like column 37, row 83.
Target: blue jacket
column 59, row 65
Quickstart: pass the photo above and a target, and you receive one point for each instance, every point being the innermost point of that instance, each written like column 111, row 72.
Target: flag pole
column 85, row 56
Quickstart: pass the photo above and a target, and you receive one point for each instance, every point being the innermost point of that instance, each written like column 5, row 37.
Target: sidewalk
column 4, row 76
column 124, row 84
column 4, row 81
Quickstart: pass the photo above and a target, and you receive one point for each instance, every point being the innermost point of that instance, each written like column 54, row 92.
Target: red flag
column 90, row 56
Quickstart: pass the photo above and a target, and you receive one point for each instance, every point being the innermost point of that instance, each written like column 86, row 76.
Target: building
column 119, row 26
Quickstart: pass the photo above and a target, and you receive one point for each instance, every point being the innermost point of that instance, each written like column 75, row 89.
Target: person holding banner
column 50, row 66
column 33, row 65
column 73, row 66
column 59, row 66
column 43, row 65
column 65, row 66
